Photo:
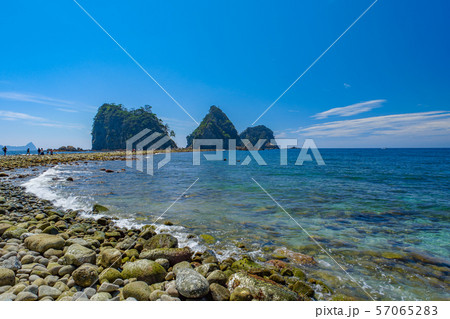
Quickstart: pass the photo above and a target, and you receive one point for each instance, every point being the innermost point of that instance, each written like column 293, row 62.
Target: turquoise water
column 383, row 214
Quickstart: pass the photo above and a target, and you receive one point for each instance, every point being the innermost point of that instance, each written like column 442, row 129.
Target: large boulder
column 86, row 275
column 44, row 242
column 161, row 241
column 144, row 270
column 111, row 257
column 138, row 290
column 7, row 277
column 173, row 255
column 260, row 288
column 191, row 284
column 78, row 255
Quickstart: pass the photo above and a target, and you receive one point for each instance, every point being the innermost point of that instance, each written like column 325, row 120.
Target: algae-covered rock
column 218, row 292
column 208, row 238
column 109, row 275
column 138, row 290
column 303, row 289
column 296, row 257
column 97, row 208
column 144, row 270
column 173, row 255
column 14, row 232
column 111, row 257
column 161, row 241
column 43, row 242
column 86, row 275
column 6, row 277
column 260, row 288
column 78, row 255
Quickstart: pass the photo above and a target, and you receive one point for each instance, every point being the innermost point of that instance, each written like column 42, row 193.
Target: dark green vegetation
column 253, row 134
column 114, row 124
column 215, row 125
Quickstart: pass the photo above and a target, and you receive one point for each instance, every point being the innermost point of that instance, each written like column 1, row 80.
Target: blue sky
column 384, row 84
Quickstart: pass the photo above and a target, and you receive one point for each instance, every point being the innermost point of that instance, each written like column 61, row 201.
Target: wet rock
column 260, row 288
column 161, row 241
column 44, row 242
column 86, row 275
column 208, row 238
column 298, row 258
column 138, row 290
column 144, row 270
column 97, row 208
column 303, row 289
column 191, row 284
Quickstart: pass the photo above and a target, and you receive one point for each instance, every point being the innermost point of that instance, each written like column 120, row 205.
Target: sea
column 376, row 221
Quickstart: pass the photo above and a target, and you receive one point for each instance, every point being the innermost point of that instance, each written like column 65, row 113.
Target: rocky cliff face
column 215, row 125
column 114, row 124
column 253, row 134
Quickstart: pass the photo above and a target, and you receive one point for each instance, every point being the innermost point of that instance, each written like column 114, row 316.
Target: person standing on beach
column 28, row 151
column 5, row 149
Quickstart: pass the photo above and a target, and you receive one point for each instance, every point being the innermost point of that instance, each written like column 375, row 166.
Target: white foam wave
column 41, row 186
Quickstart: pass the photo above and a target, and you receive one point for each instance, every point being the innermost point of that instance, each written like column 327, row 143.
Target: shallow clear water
column 382, row 214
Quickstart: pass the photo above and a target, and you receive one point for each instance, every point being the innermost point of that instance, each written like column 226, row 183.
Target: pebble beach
column 47, row 253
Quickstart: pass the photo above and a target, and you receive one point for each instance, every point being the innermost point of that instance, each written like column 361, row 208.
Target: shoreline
column 48, row 253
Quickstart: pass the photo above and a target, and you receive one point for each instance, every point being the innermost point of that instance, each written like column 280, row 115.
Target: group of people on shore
column 40, row 151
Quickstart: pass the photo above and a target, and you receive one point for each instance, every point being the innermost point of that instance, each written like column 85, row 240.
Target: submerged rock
column 260, row 288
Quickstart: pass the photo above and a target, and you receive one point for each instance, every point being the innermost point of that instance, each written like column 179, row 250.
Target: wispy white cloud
column 351, row 109
column 7, row 115
column 410, row 124
column 63, row 105
column 347, row 86
column 40, row 99
column 66, row 110
column 35, row 120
